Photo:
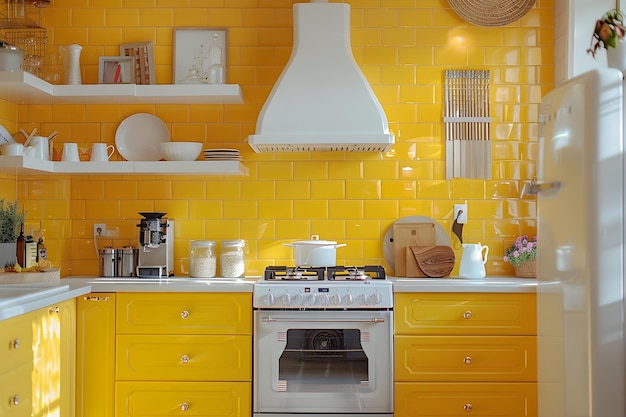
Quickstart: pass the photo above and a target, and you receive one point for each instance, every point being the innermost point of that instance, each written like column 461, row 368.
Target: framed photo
column 200, row 55
column 142, row 54
column 116, row 70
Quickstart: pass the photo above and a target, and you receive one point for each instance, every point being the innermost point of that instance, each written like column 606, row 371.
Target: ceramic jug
column 473, row 261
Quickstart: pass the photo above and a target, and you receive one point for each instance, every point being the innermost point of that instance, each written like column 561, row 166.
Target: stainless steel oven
column 323, row 346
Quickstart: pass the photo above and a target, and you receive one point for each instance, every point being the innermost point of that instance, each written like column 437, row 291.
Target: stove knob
column 335, row 299
column 268, row 299
column 285, row 299
column 362, row 299
column 375, row 299
column 347, row 299
column 309, row 300
column 321, row 300
column 298, row 299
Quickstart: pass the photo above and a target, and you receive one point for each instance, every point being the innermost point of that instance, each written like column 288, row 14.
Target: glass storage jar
column 202, row 259
column 232, row 259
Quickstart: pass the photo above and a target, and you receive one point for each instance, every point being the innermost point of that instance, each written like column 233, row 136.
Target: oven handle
column 372, row 320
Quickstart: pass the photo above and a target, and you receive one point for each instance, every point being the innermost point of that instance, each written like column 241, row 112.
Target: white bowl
column 180, row 151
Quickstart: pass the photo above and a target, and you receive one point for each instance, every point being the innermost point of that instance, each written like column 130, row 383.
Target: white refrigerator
column 581, row 233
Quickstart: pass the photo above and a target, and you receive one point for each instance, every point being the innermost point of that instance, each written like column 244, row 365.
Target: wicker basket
column 526, row 269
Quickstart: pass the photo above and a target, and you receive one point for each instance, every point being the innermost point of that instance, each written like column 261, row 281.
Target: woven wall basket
column 491, row 12
column 526, row 270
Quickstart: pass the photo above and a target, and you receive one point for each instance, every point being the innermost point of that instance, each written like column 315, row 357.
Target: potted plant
column 10, row 220
column 522, row 254
column 608, row 32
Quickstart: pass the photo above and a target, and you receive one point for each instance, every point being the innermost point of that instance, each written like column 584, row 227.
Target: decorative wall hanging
column 491, row 12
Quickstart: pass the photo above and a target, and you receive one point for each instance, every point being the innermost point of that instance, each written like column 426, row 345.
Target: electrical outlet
column 460, row 213
column 99, row 229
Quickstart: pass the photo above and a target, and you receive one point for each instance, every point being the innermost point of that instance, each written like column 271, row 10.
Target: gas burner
column 298, row 273
column 355, row 273
column 331, row 273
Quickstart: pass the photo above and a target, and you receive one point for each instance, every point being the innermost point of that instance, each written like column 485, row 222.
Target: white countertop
column 503, row 284
column 17, row 299
column 171, row 284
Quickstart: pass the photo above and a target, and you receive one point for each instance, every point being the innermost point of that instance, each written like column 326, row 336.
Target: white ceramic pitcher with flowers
column 473, row 261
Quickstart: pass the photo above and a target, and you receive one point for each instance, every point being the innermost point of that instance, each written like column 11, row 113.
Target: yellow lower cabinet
column 184, row 358
column 16, row 391
column 53, row 360
column 184, row 313
column 95, row 355
column 465, row 313
column 414, row 399
column 466, row 358
column 16, row 342
column 198, row 399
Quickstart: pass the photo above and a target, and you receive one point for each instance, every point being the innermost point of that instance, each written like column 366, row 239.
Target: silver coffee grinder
column 156, row 246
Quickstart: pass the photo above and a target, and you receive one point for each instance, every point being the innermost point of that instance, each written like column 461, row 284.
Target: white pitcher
column 473, row 261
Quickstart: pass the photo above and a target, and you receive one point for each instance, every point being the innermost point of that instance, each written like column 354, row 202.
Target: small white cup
column 16, row 149
column 70, row 152
column 42, row 150
column 101, row 152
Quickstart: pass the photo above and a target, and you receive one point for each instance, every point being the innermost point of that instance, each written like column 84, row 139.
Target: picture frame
column 142, row 54
column 193, row 55
column 116, row 70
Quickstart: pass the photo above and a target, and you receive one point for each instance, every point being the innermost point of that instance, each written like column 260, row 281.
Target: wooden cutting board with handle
column 434, row 261
column 406, row 235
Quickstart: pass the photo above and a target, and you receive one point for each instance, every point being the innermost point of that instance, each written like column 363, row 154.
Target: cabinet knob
column 184, row 406
column 467, row 407
column 184, row 314
column 16, row 343
column 184, row 359
column 16, row 400
column 467, row 315
column 467, row 360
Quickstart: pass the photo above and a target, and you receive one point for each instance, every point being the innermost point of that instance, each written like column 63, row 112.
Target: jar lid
column 232, row 243
column 202, row 243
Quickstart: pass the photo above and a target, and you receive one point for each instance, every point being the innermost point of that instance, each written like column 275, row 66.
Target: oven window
column 315, row 358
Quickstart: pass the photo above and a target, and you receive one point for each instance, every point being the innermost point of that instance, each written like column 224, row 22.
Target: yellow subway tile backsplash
column 403, row 48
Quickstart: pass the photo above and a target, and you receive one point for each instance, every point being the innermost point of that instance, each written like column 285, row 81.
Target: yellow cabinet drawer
column 465, row 358
column 198, row 399
column 184, row 313
column 465, row 399
column 15, row 392
column 184, row 358
column 465, row 313
column 16, row 347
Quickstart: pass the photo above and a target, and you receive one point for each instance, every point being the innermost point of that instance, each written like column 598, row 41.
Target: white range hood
column 321, row 101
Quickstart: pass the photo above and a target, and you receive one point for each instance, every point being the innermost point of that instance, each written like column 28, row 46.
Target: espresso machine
column 156, row 246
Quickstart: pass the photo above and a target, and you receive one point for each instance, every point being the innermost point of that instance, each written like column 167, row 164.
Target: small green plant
column 10, row 221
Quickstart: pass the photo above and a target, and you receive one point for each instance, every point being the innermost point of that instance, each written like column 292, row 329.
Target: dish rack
column 468, row 124
column 19, row 26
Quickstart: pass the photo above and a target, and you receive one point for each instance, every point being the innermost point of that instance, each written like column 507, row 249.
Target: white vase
column 72, row 63
column 616, row 57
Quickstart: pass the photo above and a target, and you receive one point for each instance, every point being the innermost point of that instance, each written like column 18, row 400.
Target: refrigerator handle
column 533, row 187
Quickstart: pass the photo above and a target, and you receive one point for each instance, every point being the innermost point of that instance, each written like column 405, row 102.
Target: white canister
column 11, row 57
column 202, row 260
column 315, row 252
column 232, row 259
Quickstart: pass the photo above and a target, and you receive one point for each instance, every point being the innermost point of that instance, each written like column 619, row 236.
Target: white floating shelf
column 24, row 88
column 26, row 165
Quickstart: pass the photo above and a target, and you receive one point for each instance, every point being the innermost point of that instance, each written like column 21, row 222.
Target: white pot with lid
column 315, row 252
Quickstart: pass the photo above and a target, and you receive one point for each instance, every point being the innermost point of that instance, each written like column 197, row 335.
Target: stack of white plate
column 222, row 155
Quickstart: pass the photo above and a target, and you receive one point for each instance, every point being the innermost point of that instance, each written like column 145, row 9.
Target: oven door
column 323, row 362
